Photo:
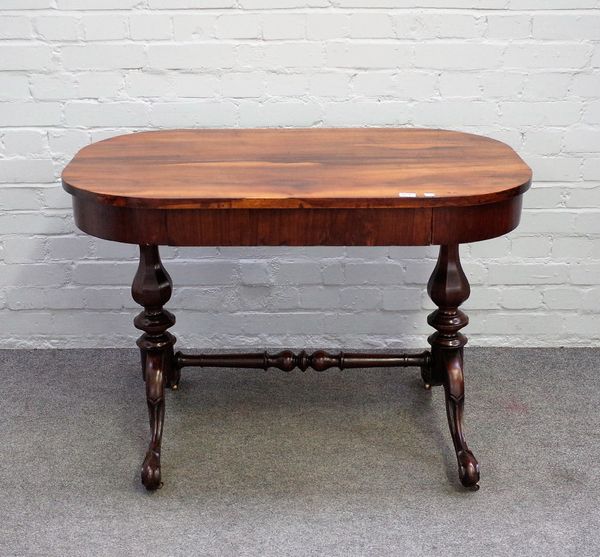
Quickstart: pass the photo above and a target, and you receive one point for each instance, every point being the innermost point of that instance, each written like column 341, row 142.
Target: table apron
column 417, row 226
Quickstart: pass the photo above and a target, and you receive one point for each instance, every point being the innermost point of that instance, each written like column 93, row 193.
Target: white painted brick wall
column 523, row 71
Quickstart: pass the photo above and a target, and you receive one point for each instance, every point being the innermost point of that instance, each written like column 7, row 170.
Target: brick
column 363, row 273
column 584, row 197
column 453, row 56
column 566, row 298
column 20, row 249
column 566, row 26
column 366, row 55
column 585, row 84
column 329, row 85
column 592, row 113
column 98, row 85
column 103, row 56
column 238, row 26
column 444, row 113
column 211, row 272
column 555, row 168
column 491, row 249
column 503, row 83
column 25, row 142
column 584, row 273
column 20, row 198
column 25, row 57
column 582, row 139
column 438, row 26
column 530, row 247
column 189, row 56
column 150, row 27
column 256, row 273
column 527, row 274
column 33, row 223
column 34, row 274
column 508, row 26
column 68, row 248
column 459, row 84
column 14, row 86
column 561, row 113
column 547, row 85
column 321, row 26
column 371, row 83
column 401, row 298
column 291, row 85
column 53, row 87
column 15, row 27
column 284, row 26
column 142, row 84
column 92, row 114
column 591, row 169
column 45, row 298
column 193, row 114
column 578, row 247
column 56, row 198
column 195, row 85
column 290, row 113
column 366, row 113
column 371, row 26
column 521, row 298
column 65, row 143
column 57, row 28
column 558, row 55
column 544, row 141
column 26, row 171
column 240, row 85
column 319, row 297
column 293, row 55
column 98, row 27
column 194, row 26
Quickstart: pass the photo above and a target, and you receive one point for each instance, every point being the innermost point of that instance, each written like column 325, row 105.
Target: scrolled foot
column 151, row 471
column 468, row 469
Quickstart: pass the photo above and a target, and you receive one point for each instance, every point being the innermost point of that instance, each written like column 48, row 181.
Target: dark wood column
column 448, row 287
column 152, row 289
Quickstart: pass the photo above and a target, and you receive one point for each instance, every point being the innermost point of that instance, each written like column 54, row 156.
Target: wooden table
column 301, row 187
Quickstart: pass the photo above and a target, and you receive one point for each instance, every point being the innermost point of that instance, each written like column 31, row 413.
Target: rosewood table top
column 275, row 179
column 299, row 188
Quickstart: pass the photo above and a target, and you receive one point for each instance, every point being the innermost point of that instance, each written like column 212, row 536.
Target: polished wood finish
column 298, row 168
column 256, row 227
column 372, row 187
column 448, row 288
column 287, row 361
column 152, row 289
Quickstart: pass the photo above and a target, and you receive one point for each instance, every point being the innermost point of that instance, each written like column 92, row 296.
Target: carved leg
column 448, row 287
column 151, row 289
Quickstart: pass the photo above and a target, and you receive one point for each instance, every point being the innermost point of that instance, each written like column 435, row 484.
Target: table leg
column 152, row 289
column 448, row 287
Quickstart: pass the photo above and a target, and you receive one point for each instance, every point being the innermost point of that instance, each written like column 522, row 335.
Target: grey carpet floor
column 267, row 464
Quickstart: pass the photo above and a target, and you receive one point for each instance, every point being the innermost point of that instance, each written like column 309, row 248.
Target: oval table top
column 297, row 168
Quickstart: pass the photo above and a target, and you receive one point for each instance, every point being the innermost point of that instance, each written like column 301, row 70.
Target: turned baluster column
column 152, row 289
column 448, row 287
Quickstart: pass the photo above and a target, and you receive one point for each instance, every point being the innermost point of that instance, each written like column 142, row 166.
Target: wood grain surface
column 296, row 168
